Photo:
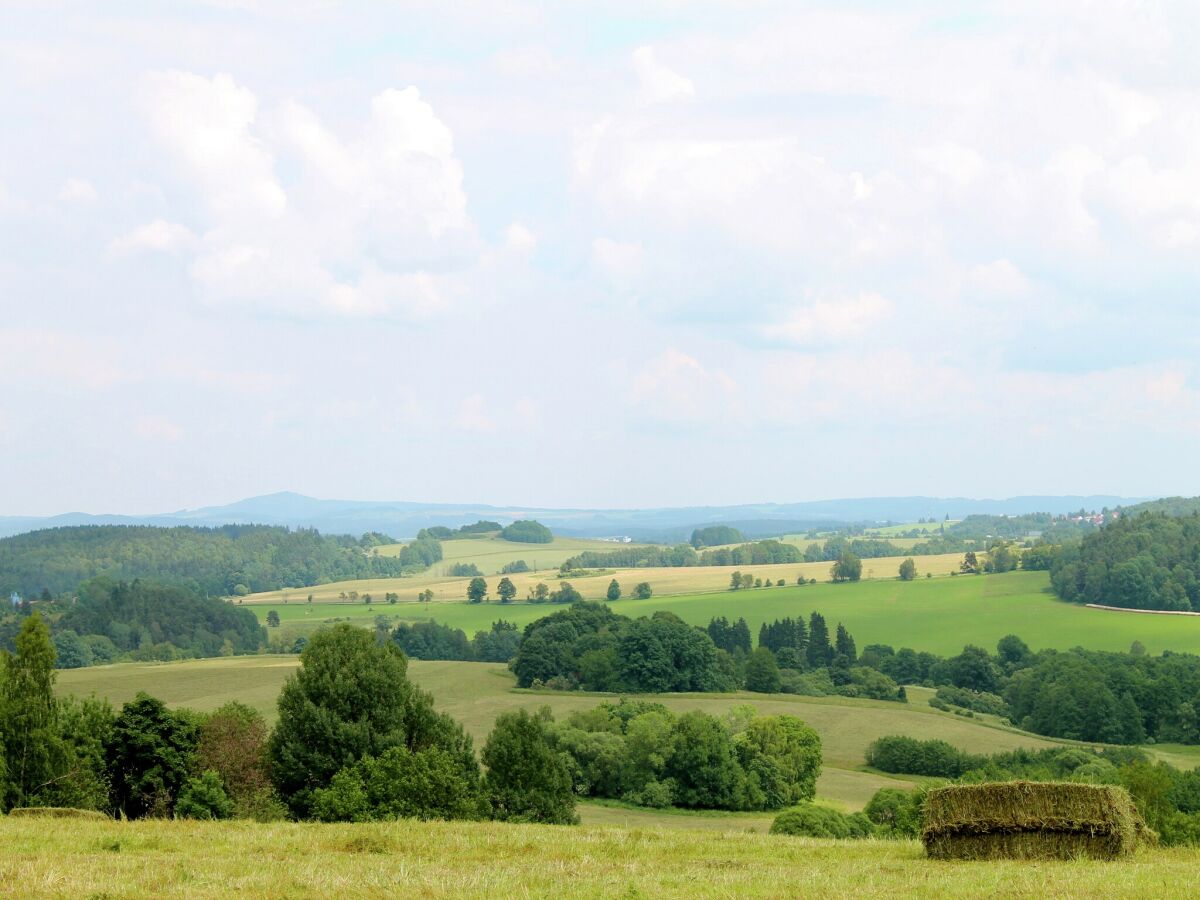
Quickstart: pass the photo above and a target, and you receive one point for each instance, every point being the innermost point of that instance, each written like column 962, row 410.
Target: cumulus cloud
column 520, row 239
column 675, row 387
column 831, row 321
column 157, row 236
column 656, row 82
column 77, row 190
column 355, row 228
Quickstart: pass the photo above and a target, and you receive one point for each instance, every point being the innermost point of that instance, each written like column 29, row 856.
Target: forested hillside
column 1150, row 561
column 231, row 559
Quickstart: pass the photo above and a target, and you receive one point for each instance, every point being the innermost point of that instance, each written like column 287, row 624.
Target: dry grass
column 1028, row 820
column 203, row 859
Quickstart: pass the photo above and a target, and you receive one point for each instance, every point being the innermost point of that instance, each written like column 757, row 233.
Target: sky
column 619, row 254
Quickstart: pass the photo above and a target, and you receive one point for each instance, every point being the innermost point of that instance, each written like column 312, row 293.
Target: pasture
column 939, row 615
column 162, row 858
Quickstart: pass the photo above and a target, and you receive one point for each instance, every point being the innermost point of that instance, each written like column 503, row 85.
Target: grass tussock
column 1032, row 820
column 56, row 812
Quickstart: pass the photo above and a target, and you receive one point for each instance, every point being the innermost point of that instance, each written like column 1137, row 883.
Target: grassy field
column 475, row 693
column 455, row 859
column 938, row 614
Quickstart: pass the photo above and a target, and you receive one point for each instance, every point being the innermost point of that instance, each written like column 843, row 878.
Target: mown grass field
column 475, row 693
column 939, row 615
column 491, row 553
column 146, row 858
column 664, row 581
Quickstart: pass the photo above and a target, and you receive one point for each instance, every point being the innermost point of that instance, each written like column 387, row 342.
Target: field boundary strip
column 1154, row 612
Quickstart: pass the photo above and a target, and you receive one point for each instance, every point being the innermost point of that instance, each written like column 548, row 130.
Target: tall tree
column 33, row 748
column 614, row 590
column 506, row 590
column 762, row 672
column 844, row 645
column 150, row 753
column 476, row 590
column 350, row 698
column 818, row 652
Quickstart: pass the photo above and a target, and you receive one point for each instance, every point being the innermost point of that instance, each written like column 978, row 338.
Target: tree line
column 756, row 553
column 1148, row 561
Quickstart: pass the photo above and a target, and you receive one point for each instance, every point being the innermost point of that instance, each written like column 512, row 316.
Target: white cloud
column 619, row 261
column 520, row 239
column 156, row 236
column 831, row 321
column 77, row 190
column 356, row 228
column 675, row 387
column 208, row 125
column 999, row 277
column 656, row 82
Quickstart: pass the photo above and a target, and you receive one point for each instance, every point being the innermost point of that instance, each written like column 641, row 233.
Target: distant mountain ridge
column 402, row 519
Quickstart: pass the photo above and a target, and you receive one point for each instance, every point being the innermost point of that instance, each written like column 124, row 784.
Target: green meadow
column 162, row 858
column 939, row 615
column 491, row 553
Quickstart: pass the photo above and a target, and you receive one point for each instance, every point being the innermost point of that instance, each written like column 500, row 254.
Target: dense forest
column 1149, row 561
column 232, row 559
column 112, row 621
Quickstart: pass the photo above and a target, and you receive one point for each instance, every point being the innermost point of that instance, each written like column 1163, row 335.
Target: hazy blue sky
column 635, row 254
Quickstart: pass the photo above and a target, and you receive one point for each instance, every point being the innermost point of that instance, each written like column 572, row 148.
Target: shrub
column 401, row 784
column 896, row 812
column 204, row 798
column 810, row 820
column 904, row 755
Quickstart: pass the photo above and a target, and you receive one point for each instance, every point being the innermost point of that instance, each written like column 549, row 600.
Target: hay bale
column 56, row 812
column 1031, row 820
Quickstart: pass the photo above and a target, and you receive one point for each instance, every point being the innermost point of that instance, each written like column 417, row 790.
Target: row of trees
column 355, row 741
column 757, row 553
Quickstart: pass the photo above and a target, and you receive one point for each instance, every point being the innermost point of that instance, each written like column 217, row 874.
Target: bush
column 527, row 779
column 464, row 570
column 896, row 812
column 810, row 820
column 401, row 784
column 204, row 798
column 979, row 701
column 908, row 756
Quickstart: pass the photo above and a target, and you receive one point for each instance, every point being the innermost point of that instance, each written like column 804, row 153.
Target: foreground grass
column 436, row 859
